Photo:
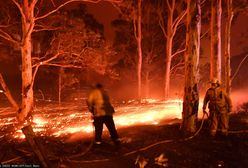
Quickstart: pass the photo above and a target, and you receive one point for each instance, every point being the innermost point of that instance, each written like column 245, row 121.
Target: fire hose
column 138, row 150
column 70, row 158
column 152, row 145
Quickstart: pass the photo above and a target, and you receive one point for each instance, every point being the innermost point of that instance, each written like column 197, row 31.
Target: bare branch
column 7, row 37
column 177, row 66
column 203, row 2
column 135, row 28
column 63, row 65
column 48, row 60
column 53, row 3
column 178, row 52
column 240, row 64
column 44, row 28
column 161, row 23
column 177, row 21
column 204, row 34
column 20, row 9
column 32, row 5
column 70, row 1
column 8, row 93
column 34, row 74
column 5, row 26
column 168, row 5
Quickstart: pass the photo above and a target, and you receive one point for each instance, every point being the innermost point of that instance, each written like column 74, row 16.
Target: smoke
column 238, row 98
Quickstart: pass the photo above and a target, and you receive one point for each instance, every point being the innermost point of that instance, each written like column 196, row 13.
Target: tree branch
column 161, row 23
column 204, row 34
column 8, row 93
column 7, row 37
column 63, row 65
column 240, row 64
column 135, row 28
column 177, row 21
column 44, row 28
column 34, row 74
column 48, row 60
column 20, row 9
column 178, row 52
column 168, row 5
column 70, row 1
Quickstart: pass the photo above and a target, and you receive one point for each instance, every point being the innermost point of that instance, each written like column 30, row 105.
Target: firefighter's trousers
column 219, row 119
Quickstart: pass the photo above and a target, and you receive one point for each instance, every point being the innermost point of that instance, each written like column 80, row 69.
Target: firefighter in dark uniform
column 219, row 105
column 102, row 110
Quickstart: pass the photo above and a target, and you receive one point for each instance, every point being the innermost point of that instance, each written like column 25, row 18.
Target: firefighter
column 102, row 110
column 219, row 105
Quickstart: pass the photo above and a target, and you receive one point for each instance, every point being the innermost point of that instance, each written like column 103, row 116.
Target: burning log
column 36, row 147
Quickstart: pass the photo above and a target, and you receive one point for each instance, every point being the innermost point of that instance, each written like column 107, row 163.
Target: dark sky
column 104, row 12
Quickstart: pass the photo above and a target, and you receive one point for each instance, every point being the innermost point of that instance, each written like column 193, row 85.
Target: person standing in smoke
column 102, row 110
column 219, row 104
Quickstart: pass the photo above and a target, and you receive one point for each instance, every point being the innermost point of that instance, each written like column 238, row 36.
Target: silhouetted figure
column 219, row 104
column 99, row 105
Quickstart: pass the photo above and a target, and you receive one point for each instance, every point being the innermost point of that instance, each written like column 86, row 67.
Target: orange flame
column 152, row 112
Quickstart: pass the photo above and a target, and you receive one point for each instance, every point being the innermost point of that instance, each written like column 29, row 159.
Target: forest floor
column 141, row 145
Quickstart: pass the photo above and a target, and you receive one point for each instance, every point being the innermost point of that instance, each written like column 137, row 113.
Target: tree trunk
column 37, row 148
column 60, row 83
column 169, row 42
column 139, row 37
column 215, row 69
column 147, row 84
column 227, row 46
column 26, row 49
column 8, row 93
column 191, row 94
column 168, row 66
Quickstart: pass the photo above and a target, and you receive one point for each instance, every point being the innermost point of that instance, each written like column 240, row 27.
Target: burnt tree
column 215, row 62
column 227, row 46
column 191, row 95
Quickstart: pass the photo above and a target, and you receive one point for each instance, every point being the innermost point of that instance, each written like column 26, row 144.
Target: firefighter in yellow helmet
column 99, row 105
column 219, row 105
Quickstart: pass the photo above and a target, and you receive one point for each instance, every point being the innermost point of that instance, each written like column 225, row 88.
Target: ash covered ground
column 149, row 132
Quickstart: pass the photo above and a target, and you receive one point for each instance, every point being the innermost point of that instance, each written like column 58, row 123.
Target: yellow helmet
column 215, row 81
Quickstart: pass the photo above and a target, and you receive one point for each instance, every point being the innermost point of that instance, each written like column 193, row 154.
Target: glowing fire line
column 62, row 124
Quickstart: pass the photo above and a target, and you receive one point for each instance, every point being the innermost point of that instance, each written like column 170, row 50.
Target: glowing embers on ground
column 58, row 122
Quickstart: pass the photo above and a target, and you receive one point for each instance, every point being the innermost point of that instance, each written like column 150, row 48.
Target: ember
column 62, row 121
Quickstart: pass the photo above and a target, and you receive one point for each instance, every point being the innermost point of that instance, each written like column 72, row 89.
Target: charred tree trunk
column 227, row 46
column 8, row 93
column 139, row 38
column 215, row 65
column 26, row 49
column 36, row 147
column 191, row 94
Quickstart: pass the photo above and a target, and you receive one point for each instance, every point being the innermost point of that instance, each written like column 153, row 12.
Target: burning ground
column 148, row 130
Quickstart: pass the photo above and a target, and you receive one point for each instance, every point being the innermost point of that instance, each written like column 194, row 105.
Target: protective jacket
column 98, row 103
column 218, row 100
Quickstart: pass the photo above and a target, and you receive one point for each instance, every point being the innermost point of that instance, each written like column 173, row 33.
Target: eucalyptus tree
column 191, row 93
column 132, row 11
column 30, row 14
column 171, row 14
column 215, row 60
